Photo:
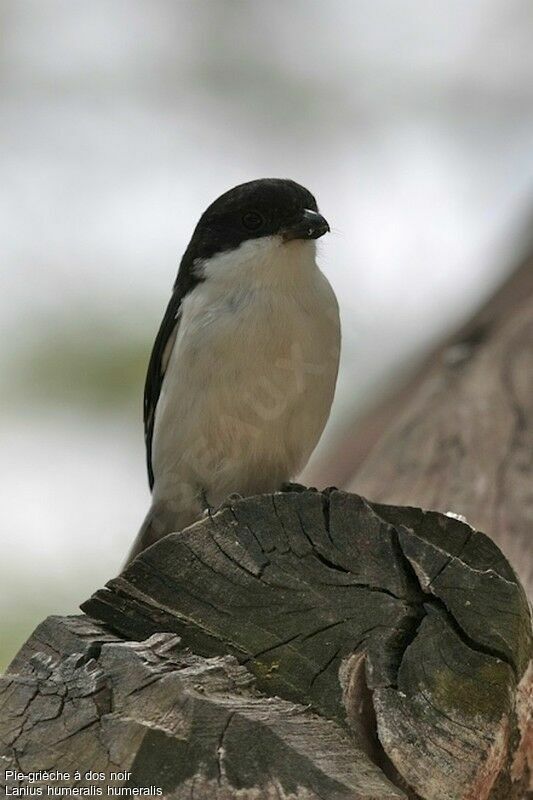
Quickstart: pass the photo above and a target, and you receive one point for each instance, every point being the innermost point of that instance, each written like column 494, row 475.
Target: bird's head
column 261, row 220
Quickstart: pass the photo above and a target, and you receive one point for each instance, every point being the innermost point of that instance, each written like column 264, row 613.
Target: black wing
column 159, row 358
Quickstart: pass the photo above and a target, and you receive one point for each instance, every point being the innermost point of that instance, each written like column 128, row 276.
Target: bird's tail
column 159, row 521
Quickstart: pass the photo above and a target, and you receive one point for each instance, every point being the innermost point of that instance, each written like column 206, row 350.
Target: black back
column 249, row 211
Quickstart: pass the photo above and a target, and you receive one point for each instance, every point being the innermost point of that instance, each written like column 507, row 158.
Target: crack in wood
column 220, row 753
column 337, row 581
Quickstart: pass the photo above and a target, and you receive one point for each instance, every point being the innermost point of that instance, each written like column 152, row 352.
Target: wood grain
column 298, row 645
column 300, row 586
column 191, row 727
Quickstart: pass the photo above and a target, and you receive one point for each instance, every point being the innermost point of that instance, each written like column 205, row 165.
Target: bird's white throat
column 266, row 261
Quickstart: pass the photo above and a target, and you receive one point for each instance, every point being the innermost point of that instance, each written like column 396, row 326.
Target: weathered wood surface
column 192, row 727
column 398, row 643
column 459, row 435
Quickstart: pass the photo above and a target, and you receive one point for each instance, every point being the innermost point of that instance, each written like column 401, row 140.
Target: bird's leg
column 230, row 500
column 206, row 505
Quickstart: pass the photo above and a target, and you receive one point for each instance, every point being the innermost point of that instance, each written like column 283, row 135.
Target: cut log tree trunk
column 299, row 645
column 318, row 646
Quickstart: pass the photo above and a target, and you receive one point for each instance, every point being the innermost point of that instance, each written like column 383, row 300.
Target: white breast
column 251, row 376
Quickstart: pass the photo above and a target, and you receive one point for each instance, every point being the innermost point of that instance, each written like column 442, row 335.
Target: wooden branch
column 459, row 435
column 397, row 641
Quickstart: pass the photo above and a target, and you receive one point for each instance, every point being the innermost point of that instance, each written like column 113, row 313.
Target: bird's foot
column 208, row 509
column 230, row 500
column 296, row 487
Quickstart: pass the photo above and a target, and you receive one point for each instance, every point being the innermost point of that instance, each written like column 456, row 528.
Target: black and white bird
column 243, row 370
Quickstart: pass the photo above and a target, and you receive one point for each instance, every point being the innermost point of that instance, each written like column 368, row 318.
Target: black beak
column 311, row 225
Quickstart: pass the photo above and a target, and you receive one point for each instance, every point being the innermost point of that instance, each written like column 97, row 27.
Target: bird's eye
column 252, row 220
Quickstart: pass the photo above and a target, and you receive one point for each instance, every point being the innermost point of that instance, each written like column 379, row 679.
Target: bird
column 243, row 370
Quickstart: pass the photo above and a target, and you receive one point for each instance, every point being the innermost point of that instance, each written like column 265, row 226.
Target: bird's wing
column 161, row 352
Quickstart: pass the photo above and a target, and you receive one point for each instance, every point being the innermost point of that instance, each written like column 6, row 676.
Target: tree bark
column 299, row 645
column 459, row 435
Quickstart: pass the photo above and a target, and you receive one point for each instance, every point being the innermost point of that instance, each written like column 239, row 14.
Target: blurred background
column 120, row 120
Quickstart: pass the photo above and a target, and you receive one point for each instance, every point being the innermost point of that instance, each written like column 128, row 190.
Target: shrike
column 243, row 369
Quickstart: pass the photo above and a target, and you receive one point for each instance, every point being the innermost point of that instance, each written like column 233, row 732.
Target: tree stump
column 297, row 645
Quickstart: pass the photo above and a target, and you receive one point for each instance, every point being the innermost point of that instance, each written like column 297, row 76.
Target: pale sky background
column 120, row 120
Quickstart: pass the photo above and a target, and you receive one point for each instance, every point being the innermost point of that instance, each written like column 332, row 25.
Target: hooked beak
column 311, row 225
